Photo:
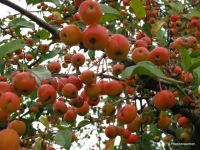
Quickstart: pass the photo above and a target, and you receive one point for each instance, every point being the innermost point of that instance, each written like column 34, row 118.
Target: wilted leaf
column 110, row 144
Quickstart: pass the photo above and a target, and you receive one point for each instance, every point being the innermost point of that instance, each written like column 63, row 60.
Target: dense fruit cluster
column 128, row 68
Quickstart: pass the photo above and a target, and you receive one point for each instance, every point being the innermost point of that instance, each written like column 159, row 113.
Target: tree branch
column 31, row 16
column 187, row 113
column 99, row 74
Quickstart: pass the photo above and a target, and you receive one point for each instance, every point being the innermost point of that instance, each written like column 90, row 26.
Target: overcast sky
column 6, row 10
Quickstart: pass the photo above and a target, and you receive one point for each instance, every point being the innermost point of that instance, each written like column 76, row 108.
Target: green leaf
column 33, row 1
column 194, row 65
column 21, row 23
column 177, row 6
column 195, row 53
column 160, row 37
column 157, row 27
column 165, row 1
column 138, row 8
column 62, row 126
column 43, row 34
column 56, row 2
column 154, row 129
column 2, row 66
column 111, row 100
column 63, row 138
column 196, row 73
column 91, row 54
column 38, row 144
column 44, row 121
column 178, row 131
column 11, row 46
column 33, row 95
column 147, row 29
column 41, row 72
column 185, row 59
column 108, row 17
column 50, row 55
column 147, row 68
column 110, row 14
column 109, row 10
column 195, row 12
column 83, row 123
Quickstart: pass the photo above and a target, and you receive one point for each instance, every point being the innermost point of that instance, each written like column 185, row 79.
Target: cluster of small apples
column 55, row 18
column 194, row 26
column 159, row 55
column 90, row 96
column 95, row 36
column 10, row 103
column 20, row 54
column 76, row 60
column 175, row 24
column 126, row 115
column 177, row 72
column 166, row 99
column 151, row 8
column 186, row 42
column 24, row 83
column 43, row 6
column 184, row 123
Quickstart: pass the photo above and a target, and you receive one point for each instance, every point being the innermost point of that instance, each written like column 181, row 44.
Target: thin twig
column 31, row 16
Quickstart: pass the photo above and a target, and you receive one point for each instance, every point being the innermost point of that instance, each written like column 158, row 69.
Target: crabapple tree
column 100, row 74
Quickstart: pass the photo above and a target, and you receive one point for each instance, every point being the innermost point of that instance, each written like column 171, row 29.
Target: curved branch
column 99, row 74
column 31, row 16
column 194, row 118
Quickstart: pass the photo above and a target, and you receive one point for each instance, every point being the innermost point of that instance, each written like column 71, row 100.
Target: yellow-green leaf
column 44, row 121
column 157, row 26
column 138, row 8
column 38, row 144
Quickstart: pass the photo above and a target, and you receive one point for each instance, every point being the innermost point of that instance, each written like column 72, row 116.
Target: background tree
column 116, row 70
